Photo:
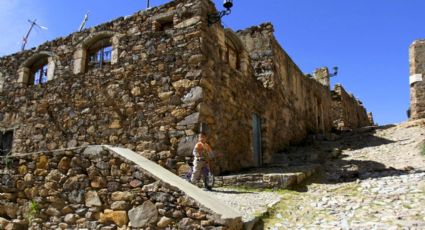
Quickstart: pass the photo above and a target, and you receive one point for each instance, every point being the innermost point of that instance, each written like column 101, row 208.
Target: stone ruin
column 417, row 82
column 150, row 82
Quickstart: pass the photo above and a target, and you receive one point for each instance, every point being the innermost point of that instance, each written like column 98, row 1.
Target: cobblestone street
column 388, row 202
column 378, row 182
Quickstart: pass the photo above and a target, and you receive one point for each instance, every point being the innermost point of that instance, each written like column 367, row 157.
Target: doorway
column 6, row 141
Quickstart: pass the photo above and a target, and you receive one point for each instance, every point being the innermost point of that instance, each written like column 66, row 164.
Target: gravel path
column 393, row 202
column 377, row 183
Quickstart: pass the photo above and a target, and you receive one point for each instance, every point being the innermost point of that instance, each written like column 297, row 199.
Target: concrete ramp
column 204, row 199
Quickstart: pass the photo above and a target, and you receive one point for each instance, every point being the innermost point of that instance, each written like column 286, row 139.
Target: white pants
column 198, row 167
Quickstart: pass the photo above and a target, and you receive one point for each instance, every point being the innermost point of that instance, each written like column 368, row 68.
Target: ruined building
column 417, row 83
column 151, row 81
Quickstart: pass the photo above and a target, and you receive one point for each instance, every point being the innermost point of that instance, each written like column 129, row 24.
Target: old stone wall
column 417, row 80
column 139, row 101
column 265, row 81
column 348, row 112
column 171, row 75
column 92, row 188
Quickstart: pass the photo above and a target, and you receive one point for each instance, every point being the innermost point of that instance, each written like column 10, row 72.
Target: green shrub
column 33, row 209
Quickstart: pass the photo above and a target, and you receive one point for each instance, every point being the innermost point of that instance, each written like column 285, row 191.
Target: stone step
column 281, row 178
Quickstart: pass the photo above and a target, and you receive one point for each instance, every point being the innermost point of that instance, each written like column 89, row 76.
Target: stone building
column 417, row 83
column 151, row 81
column 348, row 112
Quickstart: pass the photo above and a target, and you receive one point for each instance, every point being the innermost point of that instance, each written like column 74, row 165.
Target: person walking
column 201, row 153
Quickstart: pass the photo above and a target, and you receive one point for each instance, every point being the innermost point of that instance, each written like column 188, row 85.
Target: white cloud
column 14, row 15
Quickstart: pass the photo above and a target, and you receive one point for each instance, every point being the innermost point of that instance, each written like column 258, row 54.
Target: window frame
column 40, row 67
column 100, row 49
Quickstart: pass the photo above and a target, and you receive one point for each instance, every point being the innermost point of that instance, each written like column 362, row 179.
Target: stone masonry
column 170, row 76
column 417, row 82
column 94, row 188
column 348, row 112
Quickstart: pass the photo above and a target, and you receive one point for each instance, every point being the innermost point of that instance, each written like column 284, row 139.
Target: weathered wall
column 137, row 102
column 417, row 79
column 348, row 112
column 267, row 83
column 92, row 188
column 171, row 76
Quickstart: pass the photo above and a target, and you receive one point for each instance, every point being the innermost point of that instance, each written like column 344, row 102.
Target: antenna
column 25, row 39
column 83, row 24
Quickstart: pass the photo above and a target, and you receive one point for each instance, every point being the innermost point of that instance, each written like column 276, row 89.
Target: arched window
column 38, row 72
column 235, row 54
column 96, row 50
column 38, row 69
column 100, row 53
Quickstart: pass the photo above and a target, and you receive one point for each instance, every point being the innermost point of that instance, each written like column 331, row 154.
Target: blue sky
column 367, row 39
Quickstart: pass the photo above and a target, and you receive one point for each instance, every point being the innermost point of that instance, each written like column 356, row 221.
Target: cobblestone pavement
column 377, row 183
column 390, row 202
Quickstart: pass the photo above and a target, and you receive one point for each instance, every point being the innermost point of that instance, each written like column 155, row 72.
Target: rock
column 113, row 186
column 185, row 147
column 188, row 22
column 63, row 225
column 120, row 205
column 15, row 226
column 178, row 113
column 122, row 196
column 67, row 209
column 72, row 144
column 81, row 211
column 136, row 91
column 164, row 222
column 75, row 183
column 118, row 217
column 185, row 223
column 135, row 183
column 183, row 84
column 51, row 211
column 76, row 196
column 194, row 95
column 7, row 196
column 177, row 214
column 93, row 152
column 98, row 182
column 3, row 223
column 64, row 164
column 116, row 124
column 190, row 120
column 23, row 169
column 41, row 172
column 143, row 215
column 183, row 169
column 54, row 175
column 92, row 199
column 195, row 60
column 70, row 218
column 42, row 162
column 165, row 95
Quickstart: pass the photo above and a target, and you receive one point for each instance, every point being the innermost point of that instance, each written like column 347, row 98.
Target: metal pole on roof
column 25, row 39
column 83, row 24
